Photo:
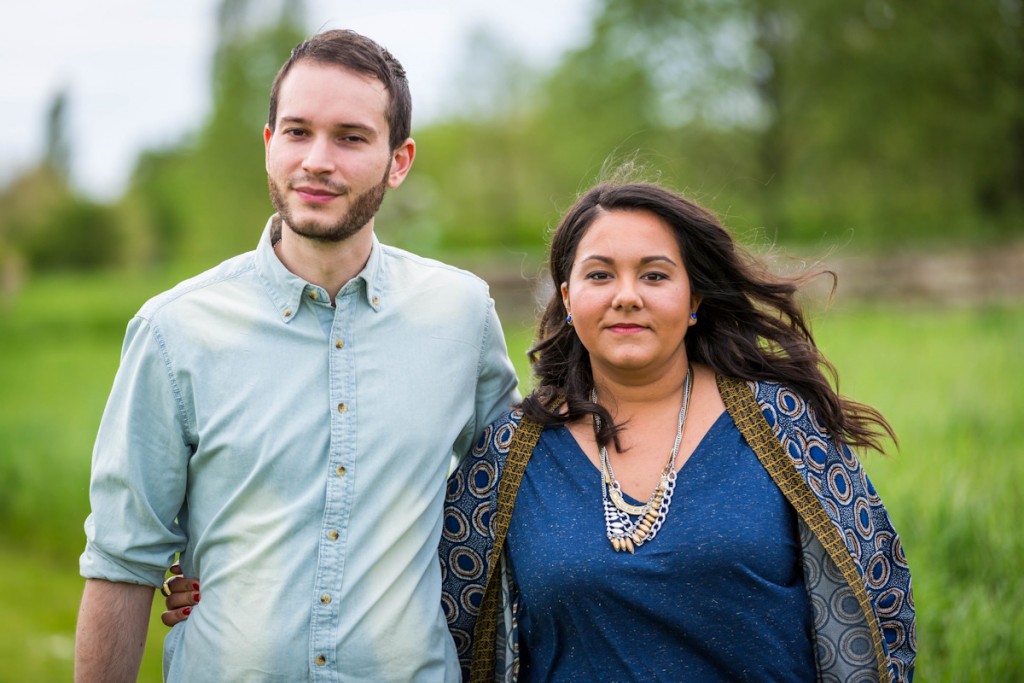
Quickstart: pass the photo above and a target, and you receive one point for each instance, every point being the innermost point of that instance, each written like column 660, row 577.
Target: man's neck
column 326, row 264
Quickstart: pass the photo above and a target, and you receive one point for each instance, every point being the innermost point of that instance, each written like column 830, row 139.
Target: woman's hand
column 181, row 594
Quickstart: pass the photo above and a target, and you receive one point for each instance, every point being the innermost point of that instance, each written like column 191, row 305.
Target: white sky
column 137, row 71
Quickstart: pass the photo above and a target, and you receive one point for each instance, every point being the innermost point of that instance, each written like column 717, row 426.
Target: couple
column 286, row 422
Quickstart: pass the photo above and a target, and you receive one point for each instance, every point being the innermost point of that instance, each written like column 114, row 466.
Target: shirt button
column 313, row 296
column 321, row 660
column 339, row 344
column 342, row 407
column 340, row 471
column 332, row 534
column 287, row 312
column 325, row 599
column 376, row 300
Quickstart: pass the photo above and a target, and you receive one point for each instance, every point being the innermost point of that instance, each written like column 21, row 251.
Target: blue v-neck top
column 718, row 595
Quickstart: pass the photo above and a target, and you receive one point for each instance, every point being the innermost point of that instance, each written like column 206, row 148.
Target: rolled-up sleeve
column 139, row 467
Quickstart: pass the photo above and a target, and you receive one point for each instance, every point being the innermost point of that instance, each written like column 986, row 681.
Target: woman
column 678, row 498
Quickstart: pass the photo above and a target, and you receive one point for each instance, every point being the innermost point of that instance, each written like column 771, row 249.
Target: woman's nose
column 627, row 296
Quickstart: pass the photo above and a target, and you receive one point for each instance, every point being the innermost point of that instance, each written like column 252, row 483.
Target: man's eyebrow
column 300, row 121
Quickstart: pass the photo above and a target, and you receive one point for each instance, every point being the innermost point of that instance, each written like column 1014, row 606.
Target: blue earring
column 693, row 317
column 568, row 319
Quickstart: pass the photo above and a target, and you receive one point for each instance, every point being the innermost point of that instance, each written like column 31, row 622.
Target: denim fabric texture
column 296, row 454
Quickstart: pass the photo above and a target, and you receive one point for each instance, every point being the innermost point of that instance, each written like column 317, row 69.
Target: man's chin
column 320, row 231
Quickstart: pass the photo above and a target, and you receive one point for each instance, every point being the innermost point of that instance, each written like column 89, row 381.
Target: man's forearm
column 111, row 634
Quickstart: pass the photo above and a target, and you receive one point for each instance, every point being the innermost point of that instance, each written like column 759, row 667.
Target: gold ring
column 165, row 589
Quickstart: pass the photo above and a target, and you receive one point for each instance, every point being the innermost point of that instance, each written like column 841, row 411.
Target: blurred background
column 883, row 139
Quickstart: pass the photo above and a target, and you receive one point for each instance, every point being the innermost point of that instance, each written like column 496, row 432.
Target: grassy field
column 949, row 380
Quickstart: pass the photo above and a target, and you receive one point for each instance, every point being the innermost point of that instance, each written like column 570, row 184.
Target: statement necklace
column 626, row 533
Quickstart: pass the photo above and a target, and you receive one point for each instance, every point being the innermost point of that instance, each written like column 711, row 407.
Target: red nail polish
column 186, row 611
column 195, row 586
column 195, row 597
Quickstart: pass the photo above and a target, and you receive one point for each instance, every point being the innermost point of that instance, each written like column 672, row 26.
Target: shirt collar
column 285, row 288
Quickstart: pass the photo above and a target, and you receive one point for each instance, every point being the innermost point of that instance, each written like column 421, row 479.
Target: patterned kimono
column 854, row 569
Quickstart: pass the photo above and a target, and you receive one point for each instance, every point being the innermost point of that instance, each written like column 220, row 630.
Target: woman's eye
column 598, row 276
column 655, row 276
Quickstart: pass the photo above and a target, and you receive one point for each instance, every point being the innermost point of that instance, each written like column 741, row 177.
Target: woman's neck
column 626, row 394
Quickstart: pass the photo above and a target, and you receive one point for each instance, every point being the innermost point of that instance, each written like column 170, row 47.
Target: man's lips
column 315, row 195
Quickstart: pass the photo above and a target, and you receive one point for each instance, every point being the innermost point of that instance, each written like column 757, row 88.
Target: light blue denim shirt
column 296, row 454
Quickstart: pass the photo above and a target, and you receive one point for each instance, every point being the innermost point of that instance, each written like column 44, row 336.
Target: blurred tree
column 914, row 115
column 481, row 174
column 206, row 199
column 47, row 226
column 900, row 122
column 58, row 146
column 44, row 223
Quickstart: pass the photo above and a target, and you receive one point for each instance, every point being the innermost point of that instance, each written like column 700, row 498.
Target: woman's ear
column 565, row 295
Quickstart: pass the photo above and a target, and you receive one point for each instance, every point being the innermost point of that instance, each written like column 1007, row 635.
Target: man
column 286, row 420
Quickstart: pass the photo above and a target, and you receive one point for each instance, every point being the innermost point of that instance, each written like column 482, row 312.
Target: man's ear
column 401, row 162
column 267, row 134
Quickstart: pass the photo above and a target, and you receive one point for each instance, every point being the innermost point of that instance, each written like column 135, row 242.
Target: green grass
column 951, row 384
column 37, row 619
column 950, row 381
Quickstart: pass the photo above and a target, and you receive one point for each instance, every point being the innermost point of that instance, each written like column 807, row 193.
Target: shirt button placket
column 326, row 611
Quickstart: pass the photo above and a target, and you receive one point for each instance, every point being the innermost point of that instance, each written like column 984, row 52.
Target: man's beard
column 361, row 208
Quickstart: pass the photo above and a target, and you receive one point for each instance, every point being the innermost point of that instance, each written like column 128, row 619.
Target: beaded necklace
column 624, row 532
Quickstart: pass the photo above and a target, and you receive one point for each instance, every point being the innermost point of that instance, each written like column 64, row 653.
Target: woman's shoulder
column 496, row 438
column 785, row 409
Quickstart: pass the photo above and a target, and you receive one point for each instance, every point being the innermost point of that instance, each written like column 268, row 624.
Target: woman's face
column 629, row 296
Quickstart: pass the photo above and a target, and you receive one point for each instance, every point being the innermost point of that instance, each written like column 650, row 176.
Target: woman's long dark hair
column 750, row 325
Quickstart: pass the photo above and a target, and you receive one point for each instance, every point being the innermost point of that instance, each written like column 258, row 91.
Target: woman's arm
column 467, row 534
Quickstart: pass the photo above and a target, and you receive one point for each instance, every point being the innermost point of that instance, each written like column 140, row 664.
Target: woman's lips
column 627, row 328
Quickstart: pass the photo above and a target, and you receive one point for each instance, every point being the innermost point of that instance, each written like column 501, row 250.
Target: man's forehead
column 305, row 68
column 313, row 90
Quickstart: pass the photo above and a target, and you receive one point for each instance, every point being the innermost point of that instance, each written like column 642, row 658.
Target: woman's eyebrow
column 610, row 260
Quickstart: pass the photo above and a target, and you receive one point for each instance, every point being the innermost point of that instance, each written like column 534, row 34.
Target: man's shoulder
column 402, row 265
column 191, row 290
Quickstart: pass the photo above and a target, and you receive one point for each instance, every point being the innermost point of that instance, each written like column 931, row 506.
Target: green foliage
column 59, row 342
column 909, row 117
column 886, row 124
column 901, row 123
column 207, row 199
column 52, row 228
